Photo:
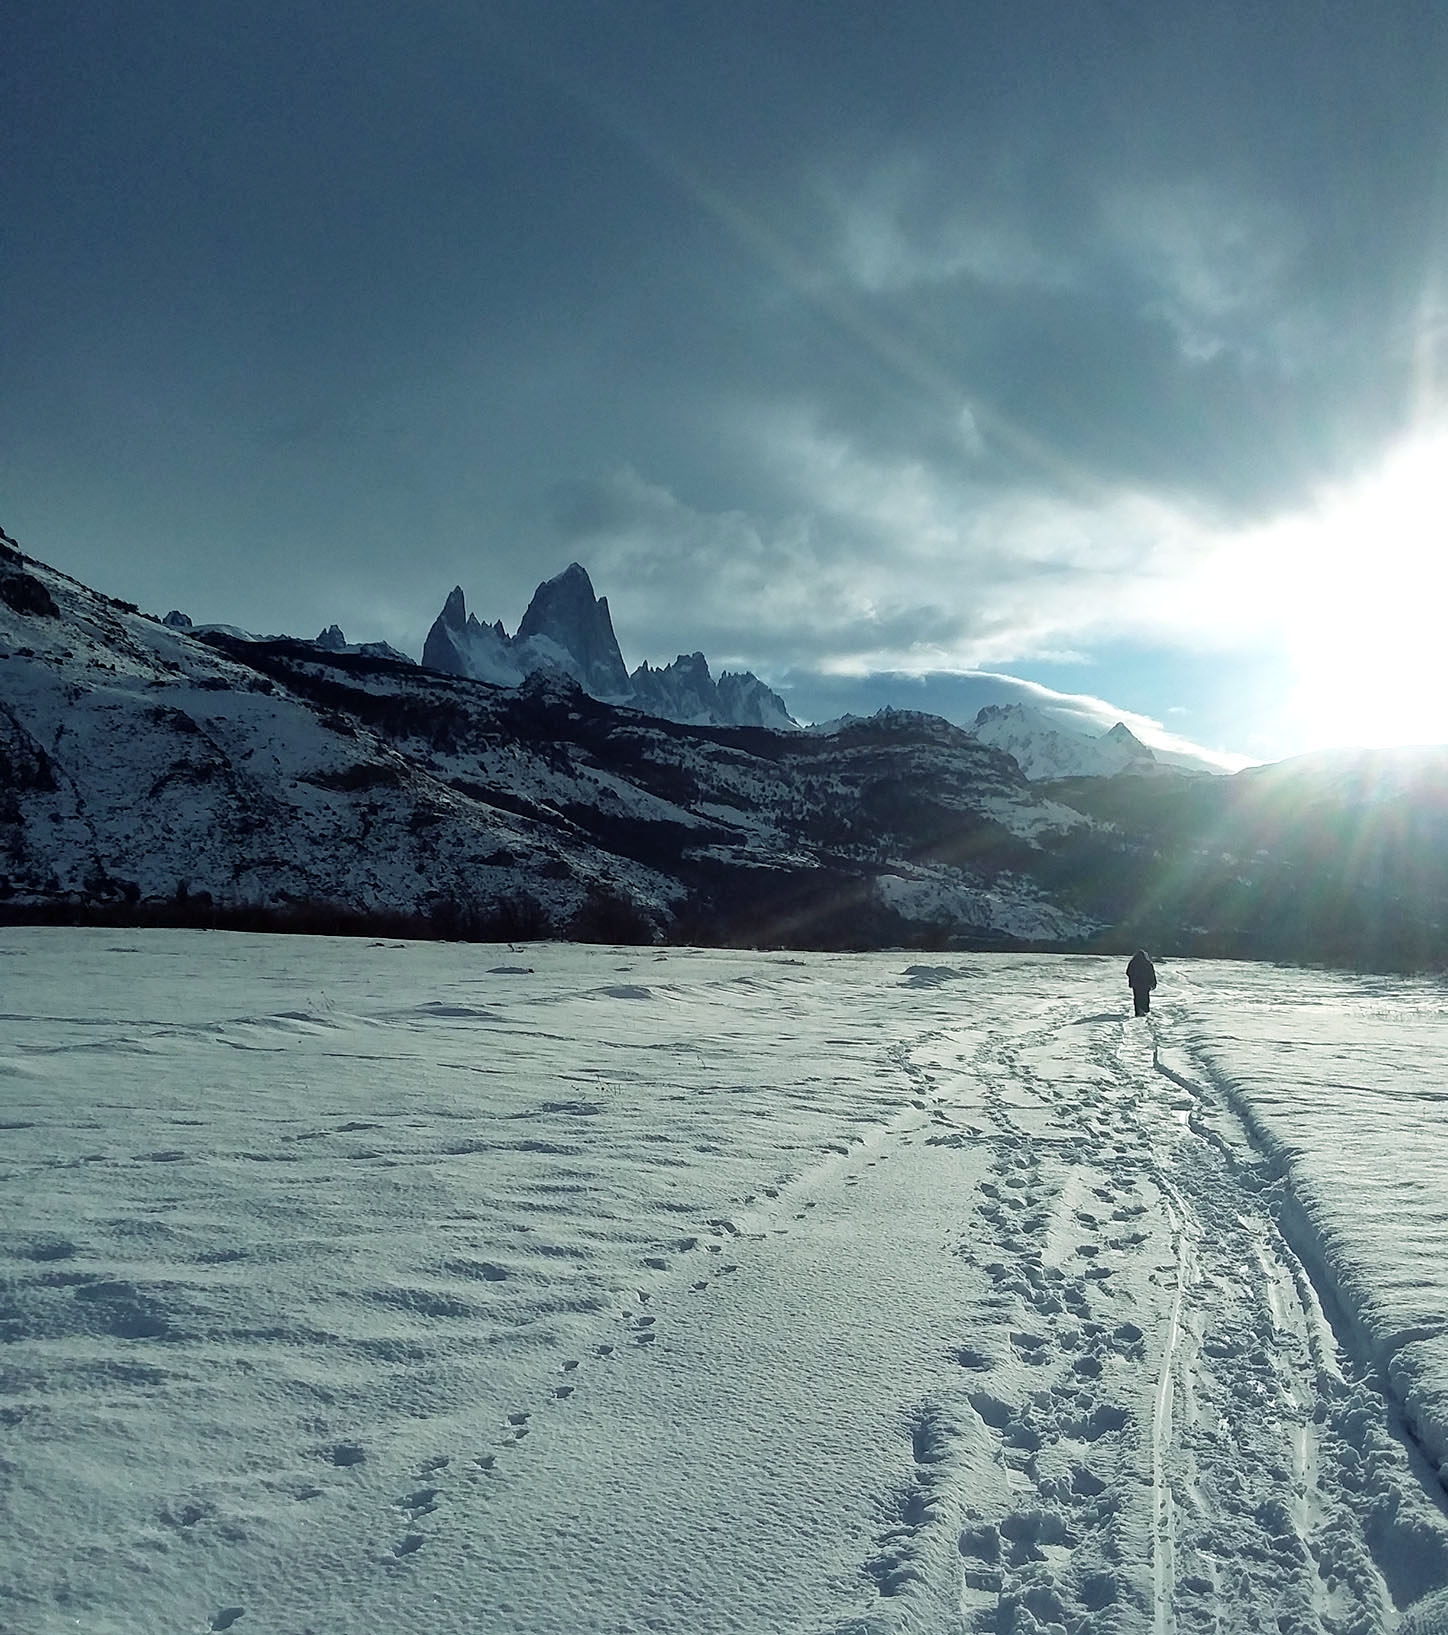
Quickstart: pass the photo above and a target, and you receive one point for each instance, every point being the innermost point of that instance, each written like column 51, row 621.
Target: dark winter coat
column 1141, row 973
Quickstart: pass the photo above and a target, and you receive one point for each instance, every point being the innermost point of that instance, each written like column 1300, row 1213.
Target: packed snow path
column 559, row 1289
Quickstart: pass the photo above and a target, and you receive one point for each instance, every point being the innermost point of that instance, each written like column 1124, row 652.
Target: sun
column 1363, row 581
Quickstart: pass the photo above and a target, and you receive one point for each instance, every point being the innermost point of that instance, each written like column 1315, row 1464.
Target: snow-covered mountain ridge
column 569, row 629
column 1043, row 750
column 151, row 773
column 145, row 769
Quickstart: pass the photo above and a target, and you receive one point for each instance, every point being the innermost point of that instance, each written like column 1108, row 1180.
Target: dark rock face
column 456, row 634
column 440, row 650
column 681, row 691
column 566, row 612
column 26, row 594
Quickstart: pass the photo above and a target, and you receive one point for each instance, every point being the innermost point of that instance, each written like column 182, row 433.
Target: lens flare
column 1363, row 583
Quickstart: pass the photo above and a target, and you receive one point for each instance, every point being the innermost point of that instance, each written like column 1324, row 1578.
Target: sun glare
column 1364, row 605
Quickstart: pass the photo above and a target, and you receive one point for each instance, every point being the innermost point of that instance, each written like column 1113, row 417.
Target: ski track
column 1128, row 1410
column 1261, row 1450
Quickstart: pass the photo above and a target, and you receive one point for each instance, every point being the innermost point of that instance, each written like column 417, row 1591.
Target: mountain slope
column 146, row 768
column 148, row 773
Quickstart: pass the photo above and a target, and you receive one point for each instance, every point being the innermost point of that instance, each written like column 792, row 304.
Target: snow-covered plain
column 424, row 1287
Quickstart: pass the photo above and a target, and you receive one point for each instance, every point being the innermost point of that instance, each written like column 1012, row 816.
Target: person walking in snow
column 1141, row 974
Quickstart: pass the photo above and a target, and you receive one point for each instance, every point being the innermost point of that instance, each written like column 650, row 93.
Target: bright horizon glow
column 1363, row 586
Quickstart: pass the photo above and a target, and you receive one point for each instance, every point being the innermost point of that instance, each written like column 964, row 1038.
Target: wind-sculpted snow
column 1343, row 1084
column 409, row 1287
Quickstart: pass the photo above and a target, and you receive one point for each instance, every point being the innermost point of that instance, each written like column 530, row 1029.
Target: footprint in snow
column 420, row 1503
column 1030, row 1348
column 968, row 1357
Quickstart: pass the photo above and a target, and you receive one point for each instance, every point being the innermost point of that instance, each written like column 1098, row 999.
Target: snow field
column 576, row 1289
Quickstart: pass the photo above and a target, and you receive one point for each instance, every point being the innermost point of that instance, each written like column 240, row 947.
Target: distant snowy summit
column 1043, row 750
column 568, row 628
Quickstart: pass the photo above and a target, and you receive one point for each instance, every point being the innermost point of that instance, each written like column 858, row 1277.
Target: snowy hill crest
column 1044, row 749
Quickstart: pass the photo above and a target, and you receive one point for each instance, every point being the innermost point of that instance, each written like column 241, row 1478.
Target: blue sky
column 869, row 347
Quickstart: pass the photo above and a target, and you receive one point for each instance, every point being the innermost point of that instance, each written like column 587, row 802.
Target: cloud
column 899, row 227
column 959, row 696
column 924, row 349
column 892, row 563
column 1212, row 264
column 895, row 577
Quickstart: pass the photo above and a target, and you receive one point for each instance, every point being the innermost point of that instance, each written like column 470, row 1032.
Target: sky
column 1099, row 348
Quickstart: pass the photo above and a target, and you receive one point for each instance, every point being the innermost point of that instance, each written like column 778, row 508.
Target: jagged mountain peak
column 1123, row 735
column 574, row 574
column 568, row 629
column 569, row 592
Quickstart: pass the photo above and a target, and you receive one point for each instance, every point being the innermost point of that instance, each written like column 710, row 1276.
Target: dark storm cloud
column 900, row 337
